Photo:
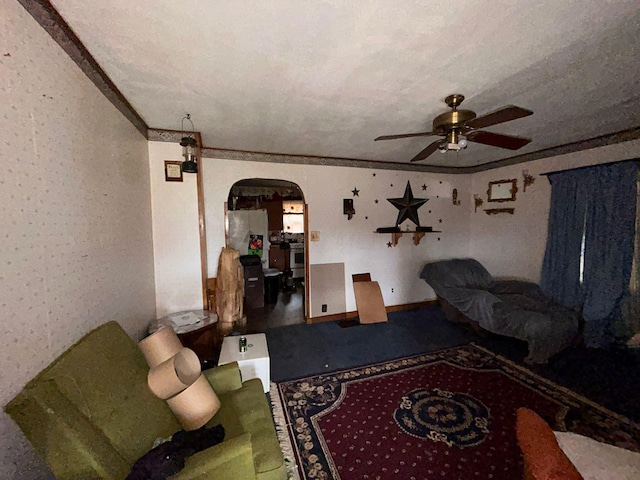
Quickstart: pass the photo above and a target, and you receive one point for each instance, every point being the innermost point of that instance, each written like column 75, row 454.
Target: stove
column 296, row 259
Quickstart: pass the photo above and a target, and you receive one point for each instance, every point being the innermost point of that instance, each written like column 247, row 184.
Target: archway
column 268, row 218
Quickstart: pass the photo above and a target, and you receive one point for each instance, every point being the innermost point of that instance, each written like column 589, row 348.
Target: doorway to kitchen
column 266, row 222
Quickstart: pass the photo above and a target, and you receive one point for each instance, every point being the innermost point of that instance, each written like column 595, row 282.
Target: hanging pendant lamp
column 190, row 162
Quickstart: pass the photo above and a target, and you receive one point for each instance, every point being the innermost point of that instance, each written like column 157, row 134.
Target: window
column 293, row 216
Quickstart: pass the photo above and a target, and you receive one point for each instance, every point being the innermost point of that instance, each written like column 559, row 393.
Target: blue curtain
column 600, row 203
column 609, row 238
column 561, row 266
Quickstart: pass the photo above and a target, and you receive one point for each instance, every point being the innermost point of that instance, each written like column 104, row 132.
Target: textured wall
column 75, row 234
column 513, row 245
column 176, row 238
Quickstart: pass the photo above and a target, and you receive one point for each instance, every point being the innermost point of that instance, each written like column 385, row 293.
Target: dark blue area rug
column 300, row 350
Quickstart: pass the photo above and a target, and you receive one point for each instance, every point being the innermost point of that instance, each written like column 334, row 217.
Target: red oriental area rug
column 444, row 415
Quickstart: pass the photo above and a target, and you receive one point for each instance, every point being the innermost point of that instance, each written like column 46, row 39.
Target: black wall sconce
column 347, row 208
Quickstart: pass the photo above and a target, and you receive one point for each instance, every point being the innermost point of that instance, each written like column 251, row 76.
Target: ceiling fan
column 458, row 126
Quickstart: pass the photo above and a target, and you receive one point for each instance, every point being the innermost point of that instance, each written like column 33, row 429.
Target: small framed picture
column 172, row 171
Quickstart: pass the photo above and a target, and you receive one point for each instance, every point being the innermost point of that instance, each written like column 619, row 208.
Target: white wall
column 354, row 242
column 513, row 245
column 509, row 245
column 75, row 237
column 176, row 237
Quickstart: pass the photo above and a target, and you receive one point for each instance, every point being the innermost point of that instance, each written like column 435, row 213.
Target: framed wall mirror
column 502, row 191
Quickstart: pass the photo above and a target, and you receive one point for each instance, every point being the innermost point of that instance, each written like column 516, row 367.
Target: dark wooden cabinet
column 203, row 341
column 277, row 257
column 274, row 211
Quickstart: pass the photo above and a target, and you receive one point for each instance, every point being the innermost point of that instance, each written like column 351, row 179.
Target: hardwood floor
column 288, row 311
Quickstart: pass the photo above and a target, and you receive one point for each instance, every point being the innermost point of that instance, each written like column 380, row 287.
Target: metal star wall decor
column 356, row 192
column 408, row 206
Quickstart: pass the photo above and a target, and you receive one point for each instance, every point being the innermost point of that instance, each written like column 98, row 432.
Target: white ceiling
column 326, row 77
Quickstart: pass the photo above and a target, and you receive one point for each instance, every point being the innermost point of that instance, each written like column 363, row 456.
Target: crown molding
column 249, row 156
column 173, row 136
column 48, row 17
column 156, row 134
column 601, row 141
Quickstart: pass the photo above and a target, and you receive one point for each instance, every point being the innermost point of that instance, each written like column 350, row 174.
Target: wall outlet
column 392, row 290
column 324, row 307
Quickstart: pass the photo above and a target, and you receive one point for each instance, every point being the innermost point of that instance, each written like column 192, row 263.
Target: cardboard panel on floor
column 369, row 302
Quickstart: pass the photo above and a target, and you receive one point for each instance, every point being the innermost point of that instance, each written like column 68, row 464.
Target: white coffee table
column 254, row 363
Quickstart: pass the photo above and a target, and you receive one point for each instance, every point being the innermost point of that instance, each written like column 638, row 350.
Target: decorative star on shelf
column 424, row 186
column 440, row 220
column 356, row 192
column 389, row 244
column 376, row 200
column 408, row 206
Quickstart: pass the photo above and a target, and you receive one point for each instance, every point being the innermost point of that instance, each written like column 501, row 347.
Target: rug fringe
column 282, row 431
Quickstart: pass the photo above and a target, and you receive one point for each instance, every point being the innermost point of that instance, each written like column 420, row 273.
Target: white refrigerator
column 246, row 227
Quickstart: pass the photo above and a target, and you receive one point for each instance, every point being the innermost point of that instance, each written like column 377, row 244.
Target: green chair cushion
column 246, row 410
column 105, row 376
column 90, row 414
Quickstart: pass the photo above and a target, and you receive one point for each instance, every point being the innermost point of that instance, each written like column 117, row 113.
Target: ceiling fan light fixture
column 453, row 146
column 453, row 141
column 453, row 124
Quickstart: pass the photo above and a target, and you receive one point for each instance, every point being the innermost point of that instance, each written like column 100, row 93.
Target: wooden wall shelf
column 416, row 234
column 494, row 211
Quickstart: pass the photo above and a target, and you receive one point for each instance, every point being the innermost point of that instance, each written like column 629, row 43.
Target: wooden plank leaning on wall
column 201, row 226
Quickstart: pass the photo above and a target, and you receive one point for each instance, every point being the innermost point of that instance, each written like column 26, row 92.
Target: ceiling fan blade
column 504, row 114
column 427, row 151
column 404, row 135
column 497, row 140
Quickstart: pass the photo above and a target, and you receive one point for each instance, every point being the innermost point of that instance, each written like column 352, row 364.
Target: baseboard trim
column 353, row 314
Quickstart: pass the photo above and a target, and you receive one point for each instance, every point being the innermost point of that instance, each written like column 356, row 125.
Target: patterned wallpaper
column 75, row 216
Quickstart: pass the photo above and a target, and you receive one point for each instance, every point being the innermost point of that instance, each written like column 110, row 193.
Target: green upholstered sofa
column 90, row 414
